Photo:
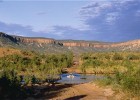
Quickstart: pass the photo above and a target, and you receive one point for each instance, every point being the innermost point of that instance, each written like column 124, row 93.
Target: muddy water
column 78, row 78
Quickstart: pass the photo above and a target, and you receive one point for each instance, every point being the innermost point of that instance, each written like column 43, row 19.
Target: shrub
column 117, row 57
column 10, row 85
column 133, row 57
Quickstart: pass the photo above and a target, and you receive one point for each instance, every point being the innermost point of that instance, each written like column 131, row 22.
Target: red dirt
column 86, row 91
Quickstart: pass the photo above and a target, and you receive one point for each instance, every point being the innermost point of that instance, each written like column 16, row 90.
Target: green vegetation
column 108, row 62
column 34, row 67
column 128, row 82
column 31, row 63
column 10, row 85
column 124, row 65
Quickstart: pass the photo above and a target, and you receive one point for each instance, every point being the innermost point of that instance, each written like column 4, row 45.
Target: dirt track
column 86, row 91
column 83, row 91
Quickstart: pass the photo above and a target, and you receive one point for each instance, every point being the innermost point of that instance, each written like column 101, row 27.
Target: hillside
column 30, row 43
column 53, row 46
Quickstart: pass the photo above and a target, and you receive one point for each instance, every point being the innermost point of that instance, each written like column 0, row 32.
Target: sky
column 99, row 20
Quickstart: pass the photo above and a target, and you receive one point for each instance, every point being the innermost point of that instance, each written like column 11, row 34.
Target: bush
column 117, row 57
column 133, row 57
column 10, row 85
column 131, row 81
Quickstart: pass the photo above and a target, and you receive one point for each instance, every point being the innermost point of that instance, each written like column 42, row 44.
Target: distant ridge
column 51, row 45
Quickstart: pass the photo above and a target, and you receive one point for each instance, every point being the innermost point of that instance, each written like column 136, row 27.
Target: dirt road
column 82, row 91
column 86, row 91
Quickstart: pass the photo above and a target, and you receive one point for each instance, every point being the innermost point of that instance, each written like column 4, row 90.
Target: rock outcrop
column 36, row 40
column 131, row 44
column 73, row 44
column 19, row 39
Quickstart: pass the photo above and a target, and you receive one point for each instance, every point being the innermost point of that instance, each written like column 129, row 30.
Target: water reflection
column 74, row 78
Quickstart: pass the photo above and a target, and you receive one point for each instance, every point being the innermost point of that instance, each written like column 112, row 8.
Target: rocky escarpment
column 84, row 44
column 7, row 37
column 35, row 40
column 19, row 39
column 81, row 43
column 135, row 44
column 128, row 44
column 74, row 45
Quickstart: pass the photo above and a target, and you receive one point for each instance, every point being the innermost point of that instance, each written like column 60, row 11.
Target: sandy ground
column 83, row 91
column 86, row 91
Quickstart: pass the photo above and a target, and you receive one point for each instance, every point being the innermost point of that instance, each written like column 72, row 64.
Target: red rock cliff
column 36, row 40
column 134, row 43
column 72, row 44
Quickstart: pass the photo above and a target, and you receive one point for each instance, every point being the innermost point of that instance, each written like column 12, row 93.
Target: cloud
column 93, row 10
column 68, row 32
column 21, row 30
column 106, row 21
column 119, row 20
column 15, row 29
column 57, row 32
column 138, row 13
column 112, row 17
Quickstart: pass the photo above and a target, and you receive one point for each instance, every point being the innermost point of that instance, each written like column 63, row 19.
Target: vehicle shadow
column 76, row 97
column 48, row 92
